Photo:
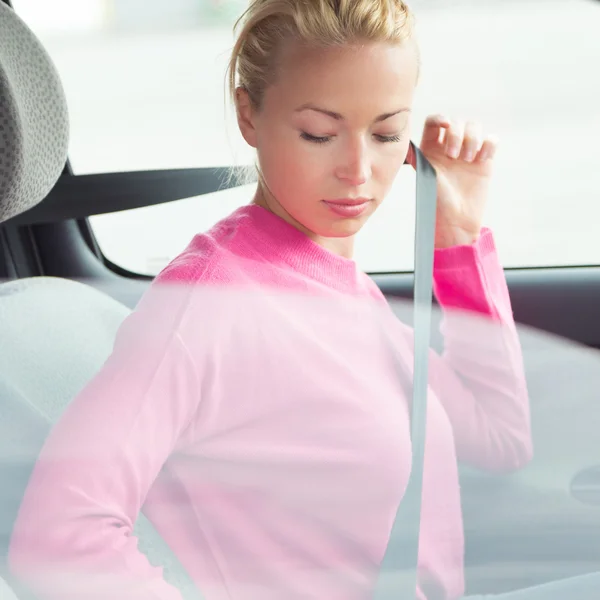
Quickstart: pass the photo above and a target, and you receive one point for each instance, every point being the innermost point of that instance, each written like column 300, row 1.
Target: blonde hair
column 267, row 24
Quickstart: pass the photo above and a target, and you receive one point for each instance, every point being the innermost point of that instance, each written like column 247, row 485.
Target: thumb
column 411, row 156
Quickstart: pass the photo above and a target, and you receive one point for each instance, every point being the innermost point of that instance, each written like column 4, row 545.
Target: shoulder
column 193, row 295
column 202, row 264
column 212, row 257
column 200, row 261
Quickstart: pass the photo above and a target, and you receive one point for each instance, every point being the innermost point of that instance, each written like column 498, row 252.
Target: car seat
column 56, row 333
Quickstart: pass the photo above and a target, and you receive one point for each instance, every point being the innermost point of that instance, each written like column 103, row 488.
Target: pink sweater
column 255, row 414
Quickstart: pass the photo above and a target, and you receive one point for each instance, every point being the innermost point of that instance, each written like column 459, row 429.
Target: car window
column 146, row 86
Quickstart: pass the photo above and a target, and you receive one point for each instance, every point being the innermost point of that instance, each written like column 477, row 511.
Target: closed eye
column 327, row 138
column 388, row 138
column 315, row 139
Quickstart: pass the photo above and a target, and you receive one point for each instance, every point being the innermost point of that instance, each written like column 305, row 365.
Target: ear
column 245, row 116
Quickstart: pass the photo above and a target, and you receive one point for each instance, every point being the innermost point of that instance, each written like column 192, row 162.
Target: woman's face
column 331, row 135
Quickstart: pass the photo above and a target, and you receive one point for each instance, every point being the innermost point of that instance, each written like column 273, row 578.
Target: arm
column 480, row 377
column 73, row 536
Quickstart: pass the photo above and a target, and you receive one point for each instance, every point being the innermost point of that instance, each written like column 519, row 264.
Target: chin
column 342, row 228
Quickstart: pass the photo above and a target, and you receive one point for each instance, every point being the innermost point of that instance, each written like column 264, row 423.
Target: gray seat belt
column 398, row 575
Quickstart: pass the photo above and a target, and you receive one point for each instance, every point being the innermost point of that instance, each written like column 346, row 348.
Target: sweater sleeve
column 480, row 377
column 73, row 536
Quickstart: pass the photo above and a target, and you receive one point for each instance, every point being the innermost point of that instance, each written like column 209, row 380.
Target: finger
column 434, row 128
column 411, row 158
column 488, row 149
column 472, row 141
column 454, row 139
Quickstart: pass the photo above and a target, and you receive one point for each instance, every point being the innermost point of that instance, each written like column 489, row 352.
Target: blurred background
column 145, row 82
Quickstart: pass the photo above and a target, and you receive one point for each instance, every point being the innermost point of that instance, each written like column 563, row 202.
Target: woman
column 251, row 405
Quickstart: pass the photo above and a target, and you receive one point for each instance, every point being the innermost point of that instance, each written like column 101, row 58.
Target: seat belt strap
column 398, row 575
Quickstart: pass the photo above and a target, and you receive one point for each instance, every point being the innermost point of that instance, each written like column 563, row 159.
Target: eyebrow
column 339, row 117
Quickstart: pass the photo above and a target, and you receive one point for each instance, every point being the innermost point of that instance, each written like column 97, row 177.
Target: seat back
column 56, row 333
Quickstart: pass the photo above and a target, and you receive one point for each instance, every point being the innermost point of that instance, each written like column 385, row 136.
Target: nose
column 354, row 167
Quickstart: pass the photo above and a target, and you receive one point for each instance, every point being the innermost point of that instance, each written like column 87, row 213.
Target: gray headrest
column 34, row 129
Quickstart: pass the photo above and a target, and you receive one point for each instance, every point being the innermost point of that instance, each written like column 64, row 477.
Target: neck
column 343, row 247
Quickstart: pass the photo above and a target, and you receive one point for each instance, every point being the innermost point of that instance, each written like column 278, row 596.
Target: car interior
column 62, row 302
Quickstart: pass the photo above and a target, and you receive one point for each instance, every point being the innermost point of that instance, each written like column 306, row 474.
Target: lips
column 348, row 207
column 348, row 201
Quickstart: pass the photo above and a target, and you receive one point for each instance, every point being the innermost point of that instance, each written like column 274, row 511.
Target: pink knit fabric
column 253, row 409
